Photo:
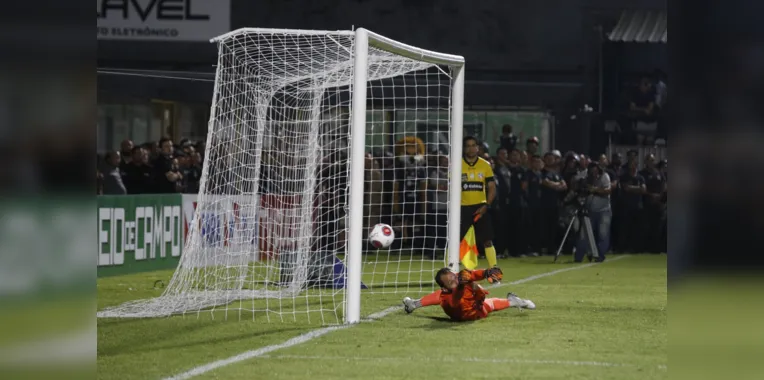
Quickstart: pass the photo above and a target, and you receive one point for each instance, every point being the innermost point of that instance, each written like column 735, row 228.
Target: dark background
column 519, row 53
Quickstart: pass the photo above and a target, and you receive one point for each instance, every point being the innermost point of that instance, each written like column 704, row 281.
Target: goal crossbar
column 375, row 40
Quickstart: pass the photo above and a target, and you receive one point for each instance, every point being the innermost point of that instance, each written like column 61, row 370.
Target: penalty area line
column 325, row 330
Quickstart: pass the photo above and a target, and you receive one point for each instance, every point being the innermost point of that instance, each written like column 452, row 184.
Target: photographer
column 596, row 188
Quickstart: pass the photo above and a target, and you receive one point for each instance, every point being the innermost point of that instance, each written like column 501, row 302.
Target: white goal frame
column 355, row 239
column 364, row 39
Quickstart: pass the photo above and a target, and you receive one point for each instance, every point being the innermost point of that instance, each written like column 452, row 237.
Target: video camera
column 579, row 191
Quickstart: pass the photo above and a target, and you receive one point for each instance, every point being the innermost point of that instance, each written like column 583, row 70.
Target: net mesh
column 268, row 235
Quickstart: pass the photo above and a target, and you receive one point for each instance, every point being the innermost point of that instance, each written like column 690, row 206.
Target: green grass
column 606, row 321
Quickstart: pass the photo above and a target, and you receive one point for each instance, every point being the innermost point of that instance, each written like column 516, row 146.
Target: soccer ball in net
column 381, row 236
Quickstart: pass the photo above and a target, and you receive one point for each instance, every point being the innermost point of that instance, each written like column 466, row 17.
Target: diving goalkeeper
column 463, row 299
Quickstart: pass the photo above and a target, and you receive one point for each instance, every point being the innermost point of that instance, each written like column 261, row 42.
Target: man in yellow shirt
column 478, row 192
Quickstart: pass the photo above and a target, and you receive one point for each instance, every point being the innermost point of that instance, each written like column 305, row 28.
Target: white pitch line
column 552, row 273
column 462, row 359
column 325, row 330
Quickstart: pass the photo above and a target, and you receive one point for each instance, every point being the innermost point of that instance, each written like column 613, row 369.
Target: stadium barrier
column 139, row 233
column 147, row 232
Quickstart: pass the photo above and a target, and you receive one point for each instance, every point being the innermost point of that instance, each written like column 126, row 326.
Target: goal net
column 315, row 137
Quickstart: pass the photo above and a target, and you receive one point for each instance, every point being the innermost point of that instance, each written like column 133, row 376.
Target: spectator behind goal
column 166, row 172
column 112, row 179
column 138, row 176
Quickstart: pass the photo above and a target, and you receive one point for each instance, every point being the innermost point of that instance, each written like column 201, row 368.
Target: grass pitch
column 605, row 321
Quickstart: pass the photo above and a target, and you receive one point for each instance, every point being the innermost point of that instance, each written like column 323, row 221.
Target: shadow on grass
column 441, row 323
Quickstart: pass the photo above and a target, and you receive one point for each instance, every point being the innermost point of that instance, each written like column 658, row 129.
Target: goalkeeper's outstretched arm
column 492, row 274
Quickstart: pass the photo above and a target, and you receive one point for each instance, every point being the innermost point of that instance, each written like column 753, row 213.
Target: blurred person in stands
column 152, row 149
column 631, row 225
column 166, row 172
column 438, row 216
column 582, row 170
column 200, row 147
column 180, row 183
column 500, row 209
column 483, row 149
column 524, row 159
column 615, row 172
column 183, row 146
column 126, row 152
column 518, row 244
column 182, row 159
column 193, row 173
column 642, row 109
column 138, row 176
column 655, row 186
column 188, row 148
column 532, row 146
column 605, row 165
column 642, row 102
column 507, row 139
column 556, row 162
column 552, row 190
column 616, row 164
column 631, row 157
column 112, row 178
column 570, row 168
column 533, row 222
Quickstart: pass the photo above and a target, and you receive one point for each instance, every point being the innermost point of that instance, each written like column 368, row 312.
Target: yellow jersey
column 475, row 179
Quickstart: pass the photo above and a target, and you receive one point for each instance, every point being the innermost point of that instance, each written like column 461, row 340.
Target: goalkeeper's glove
column 493, row 274
column 465, row 276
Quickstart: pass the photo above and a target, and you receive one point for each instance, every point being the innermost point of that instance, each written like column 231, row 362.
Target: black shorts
column 483, row 227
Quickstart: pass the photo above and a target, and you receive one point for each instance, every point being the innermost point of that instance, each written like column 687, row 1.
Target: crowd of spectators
column 408, row 189
column 151, row 168
column 537, row 196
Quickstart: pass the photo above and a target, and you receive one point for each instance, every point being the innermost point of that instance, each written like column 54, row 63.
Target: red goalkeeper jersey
column 465, row 303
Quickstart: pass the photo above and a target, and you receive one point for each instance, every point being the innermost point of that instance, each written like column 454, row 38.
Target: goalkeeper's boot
column 409, row 305
column 515, row 301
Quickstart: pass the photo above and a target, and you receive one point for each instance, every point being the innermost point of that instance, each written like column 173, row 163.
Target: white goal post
column 364, row 39
column 293, row 177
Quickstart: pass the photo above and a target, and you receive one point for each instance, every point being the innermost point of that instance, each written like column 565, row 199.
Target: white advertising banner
column 234, row 222
column 162, row 20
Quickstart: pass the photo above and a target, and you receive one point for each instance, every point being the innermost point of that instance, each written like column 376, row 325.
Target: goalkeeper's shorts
column 483, row 227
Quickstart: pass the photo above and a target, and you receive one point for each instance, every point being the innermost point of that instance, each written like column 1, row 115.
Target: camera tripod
column 585, row 226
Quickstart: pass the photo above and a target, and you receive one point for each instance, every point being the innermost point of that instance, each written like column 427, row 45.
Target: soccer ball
column 381, row 236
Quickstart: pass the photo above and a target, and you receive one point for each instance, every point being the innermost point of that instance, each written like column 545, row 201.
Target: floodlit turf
column 606, row 321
